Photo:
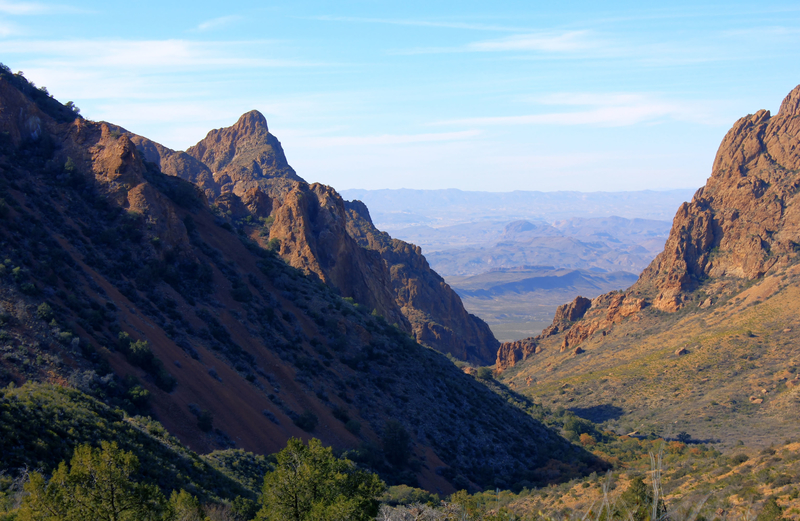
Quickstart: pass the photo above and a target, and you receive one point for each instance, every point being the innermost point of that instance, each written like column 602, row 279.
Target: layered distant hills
column 520, row 302
column 586, row 255
column 705, row 341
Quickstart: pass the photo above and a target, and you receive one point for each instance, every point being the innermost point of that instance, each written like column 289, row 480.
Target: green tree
column 396, row 443
column 97, row 485
column 184, row 507
column 771, row 511
column 637, row 502
column 310, row 483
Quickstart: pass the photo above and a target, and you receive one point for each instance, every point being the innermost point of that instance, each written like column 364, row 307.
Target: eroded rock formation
column 512, row 352
column 743, row 224
column 242, row 170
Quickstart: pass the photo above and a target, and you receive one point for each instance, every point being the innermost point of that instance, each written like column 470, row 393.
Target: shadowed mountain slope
column 120, row 281
column 243, row 171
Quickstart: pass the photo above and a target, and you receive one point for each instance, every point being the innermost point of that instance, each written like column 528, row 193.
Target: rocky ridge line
column 743, row 224
column 243, row 171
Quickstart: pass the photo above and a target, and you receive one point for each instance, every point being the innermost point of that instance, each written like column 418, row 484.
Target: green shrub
column 396, row 443
column 739, row 459
column 353, row 426
column 307, row 421
column 44, row 312
column 309, row 482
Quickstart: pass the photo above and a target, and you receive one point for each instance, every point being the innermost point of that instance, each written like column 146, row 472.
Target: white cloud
column 605, row 110
column 129, row 54
column 547, row 42
column 542, row 42
column 218, row 22
column 419, row 23
column 763, row 32
column 35, row 8
column 22, row 8
column 8, row 29
column 388, row 139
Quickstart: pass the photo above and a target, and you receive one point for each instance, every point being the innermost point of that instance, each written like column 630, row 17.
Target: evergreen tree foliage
column 184, row 507
column 396, row 443
column 310, row 483
column 771, row 511
column 637, row 502
column 95, row 485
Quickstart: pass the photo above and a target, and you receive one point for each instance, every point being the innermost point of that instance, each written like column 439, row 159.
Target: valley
column 213, row 316
column 515, row 274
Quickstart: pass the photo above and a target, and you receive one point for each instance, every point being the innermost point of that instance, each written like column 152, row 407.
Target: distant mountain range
column 606, row 243
column 520, row 302
column 465, row 234
column 393, row 209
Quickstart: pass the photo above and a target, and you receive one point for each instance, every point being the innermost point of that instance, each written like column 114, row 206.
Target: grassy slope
column 740, row 351
column 42, row 424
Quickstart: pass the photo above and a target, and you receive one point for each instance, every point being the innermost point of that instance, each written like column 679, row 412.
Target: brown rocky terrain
column 693, row 314
column 121, row 281
column 743, row 224
column 243, row 171
column 512, row 352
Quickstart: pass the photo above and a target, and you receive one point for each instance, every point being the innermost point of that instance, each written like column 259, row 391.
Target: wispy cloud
column 127, row 54
column 35, row 8
column 605, row 110
column 216, row 23
column 8, row 29
column 548, row 42
column 22, row 8
column 390, row 139
column 545, row 42
column 775, row 31
column 421, row 23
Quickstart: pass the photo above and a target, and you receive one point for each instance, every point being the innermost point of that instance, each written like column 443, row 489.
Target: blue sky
column 494, row 96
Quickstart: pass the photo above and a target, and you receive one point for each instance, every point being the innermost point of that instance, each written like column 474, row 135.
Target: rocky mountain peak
column 791, row 104
column 252, row 122
column 743, row 224
column 242, row 156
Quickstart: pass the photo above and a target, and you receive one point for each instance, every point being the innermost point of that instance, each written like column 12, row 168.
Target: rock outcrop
column 243, row 170
column 512, row 352
column 743, row 224
column 566, row 314
column 746, row 220
column 241, row 155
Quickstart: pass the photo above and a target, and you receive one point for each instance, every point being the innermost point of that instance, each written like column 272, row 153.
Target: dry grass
column 734, row 384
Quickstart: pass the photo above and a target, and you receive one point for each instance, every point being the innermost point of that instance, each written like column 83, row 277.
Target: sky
column 493, row 96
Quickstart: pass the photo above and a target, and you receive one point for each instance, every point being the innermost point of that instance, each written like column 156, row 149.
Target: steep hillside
column 706, row 337
column 244, row 173
column 120, row 281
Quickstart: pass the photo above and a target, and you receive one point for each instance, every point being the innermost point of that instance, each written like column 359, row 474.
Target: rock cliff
column 243, row 170
column 510, row 353
column 434, row 310
column 744, row 221
column 742, row 225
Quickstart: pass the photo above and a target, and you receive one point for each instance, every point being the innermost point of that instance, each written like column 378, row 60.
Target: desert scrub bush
column 205, row 420
column 138, row 353
column 307, row 420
